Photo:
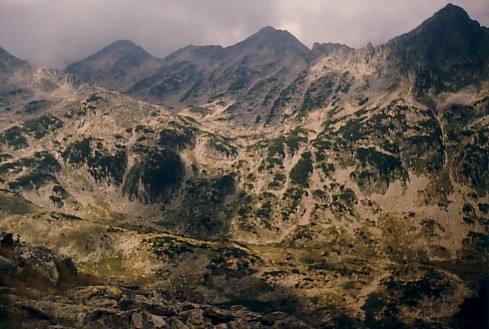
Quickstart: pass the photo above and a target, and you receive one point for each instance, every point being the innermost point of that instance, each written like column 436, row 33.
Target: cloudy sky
column 55, row 33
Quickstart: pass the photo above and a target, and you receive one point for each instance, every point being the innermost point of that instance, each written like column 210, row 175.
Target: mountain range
column 263, row 184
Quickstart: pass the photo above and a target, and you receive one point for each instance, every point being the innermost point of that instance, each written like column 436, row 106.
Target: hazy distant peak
column 121, row 48
column 121, row 45
column 114, row 52
column 271, row 31
column 117, row 66
column 271, row 37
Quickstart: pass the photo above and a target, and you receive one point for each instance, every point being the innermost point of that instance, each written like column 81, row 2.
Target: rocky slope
column 345, row 187
column 242, row 80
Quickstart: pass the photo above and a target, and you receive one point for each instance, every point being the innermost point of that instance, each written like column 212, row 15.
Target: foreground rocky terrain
column 43, row 290
column 262, row 184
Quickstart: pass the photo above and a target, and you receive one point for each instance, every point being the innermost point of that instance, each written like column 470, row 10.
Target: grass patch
column 15, row 204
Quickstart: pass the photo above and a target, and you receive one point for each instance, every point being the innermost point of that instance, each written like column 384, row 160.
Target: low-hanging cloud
column 55, row 33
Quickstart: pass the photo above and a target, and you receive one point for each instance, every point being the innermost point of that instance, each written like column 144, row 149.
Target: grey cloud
column 57, row 32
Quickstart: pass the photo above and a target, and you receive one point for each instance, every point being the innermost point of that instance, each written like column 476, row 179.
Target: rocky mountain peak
column 118, row 50
column 111, row 54
column 450, row 27
column 121, row 44
column 269, row 37
column 452, row 12
column 252, row 72
column 328, row 48
column 451, row 21
column 447, row 51
column 117, row 66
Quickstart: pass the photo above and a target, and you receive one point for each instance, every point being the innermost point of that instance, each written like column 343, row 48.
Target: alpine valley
column 261, row 185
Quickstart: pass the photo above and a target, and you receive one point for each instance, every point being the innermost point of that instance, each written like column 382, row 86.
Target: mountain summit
column 449, row 14
column 249, row 74
column 117, row 66
column 447, row 51
column 269, row 37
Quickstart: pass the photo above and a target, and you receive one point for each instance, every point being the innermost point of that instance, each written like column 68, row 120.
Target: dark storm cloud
column 58, row 32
